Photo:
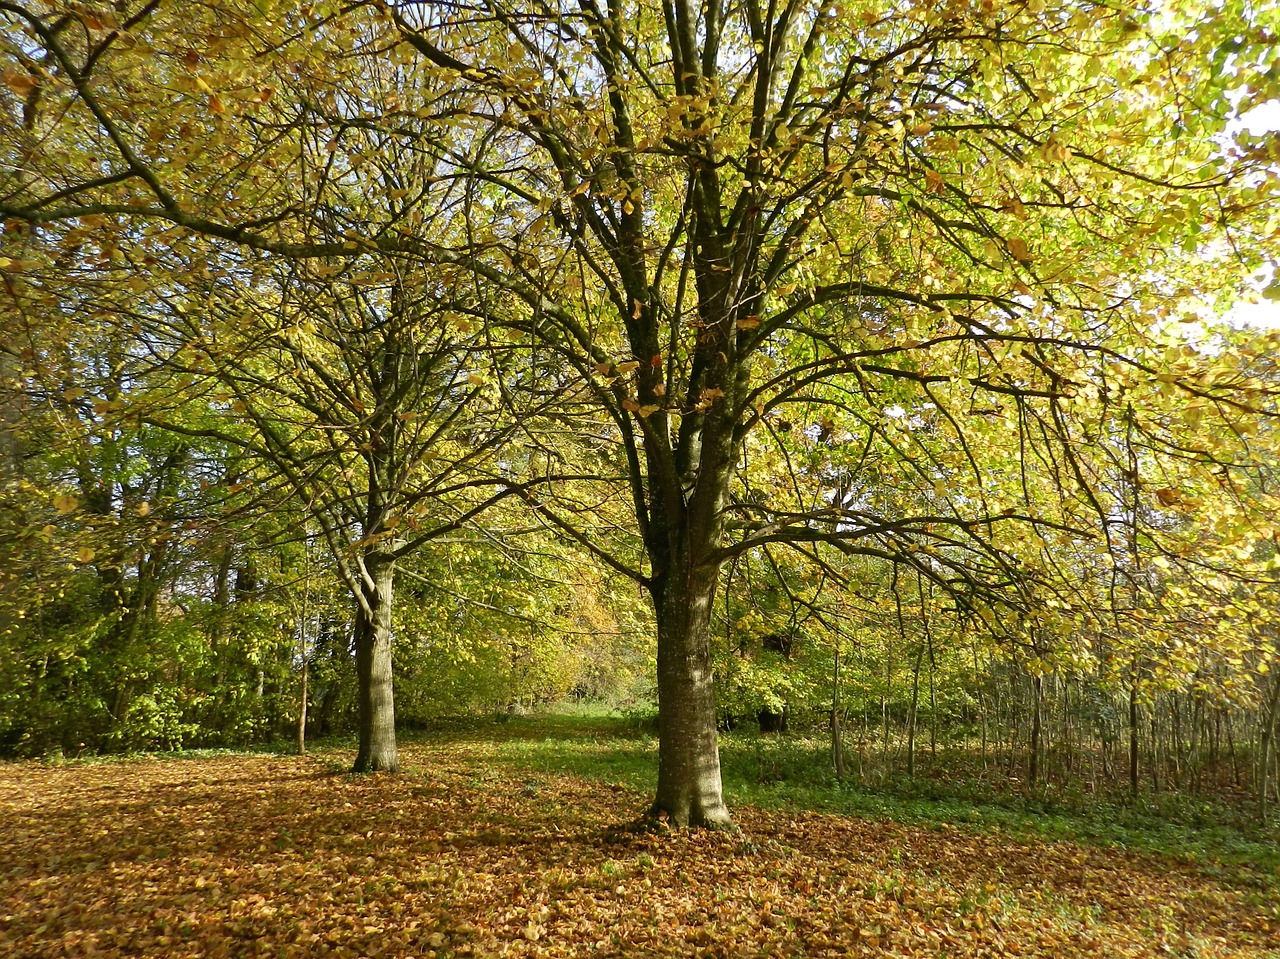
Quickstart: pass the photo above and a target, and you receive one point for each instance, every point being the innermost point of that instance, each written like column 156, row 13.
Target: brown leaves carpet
column 278, row 856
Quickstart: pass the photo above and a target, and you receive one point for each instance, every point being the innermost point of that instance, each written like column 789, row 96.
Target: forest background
column 835, row 367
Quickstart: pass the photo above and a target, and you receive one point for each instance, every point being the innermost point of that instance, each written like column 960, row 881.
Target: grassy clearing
column 494, row 843
column 795, row 773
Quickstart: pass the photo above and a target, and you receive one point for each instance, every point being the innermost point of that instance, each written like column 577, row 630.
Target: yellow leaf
column 1018, row 249
column 65, row 503
column 20, row 82
column 85, row 554
column 707, row 397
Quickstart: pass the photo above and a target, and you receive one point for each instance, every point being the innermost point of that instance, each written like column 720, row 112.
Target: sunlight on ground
column 282, row 856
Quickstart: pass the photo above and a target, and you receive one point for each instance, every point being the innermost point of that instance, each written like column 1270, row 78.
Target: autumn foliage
column 877, row 366
column 272, row 856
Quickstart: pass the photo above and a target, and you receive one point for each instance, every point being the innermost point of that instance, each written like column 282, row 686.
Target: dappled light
column 689, row 478
column 244, row 855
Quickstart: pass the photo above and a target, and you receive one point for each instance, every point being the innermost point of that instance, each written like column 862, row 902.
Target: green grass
column 175, row 755
column 795, row 772
column 612, row 750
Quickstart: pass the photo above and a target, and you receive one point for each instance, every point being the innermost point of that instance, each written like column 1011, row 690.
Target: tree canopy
column 926, row 289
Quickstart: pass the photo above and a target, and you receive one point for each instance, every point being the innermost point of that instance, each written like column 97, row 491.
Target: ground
column 264, row 855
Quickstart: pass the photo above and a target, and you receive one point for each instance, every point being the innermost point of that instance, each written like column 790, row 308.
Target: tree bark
column 302, row 708
column 1133, row 740
column 1271, row 716
column 837, row 737
column 10, row 419
column 1037, row 689
column 377, row 718
column 689, row 789
column 915, row 707
column 18, row 237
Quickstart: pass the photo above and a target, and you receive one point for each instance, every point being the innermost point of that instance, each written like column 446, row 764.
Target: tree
column 340, row 371
column 113, row 536
column 823, row 275
column 777, row 218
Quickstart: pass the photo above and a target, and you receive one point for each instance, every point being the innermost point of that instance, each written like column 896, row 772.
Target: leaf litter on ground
column 258, row 855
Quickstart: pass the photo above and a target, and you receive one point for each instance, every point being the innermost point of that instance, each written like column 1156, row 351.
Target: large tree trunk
column 689, row 791
column 377, row 716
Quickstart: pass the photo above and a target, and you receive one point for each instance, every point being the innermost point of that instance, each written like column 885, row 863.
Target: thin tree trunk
column 1197, row 724
column 1015, row 720
column 915, row 707
column 1154, row 757
column 1231, row 751
column 928, row 638
column 221, row 623
column 1133, row 739
column 884, row 710
column 304, row 628
column 837, row 740
column 1175, row 740
column 302, row 710
column 933, row 711
column 1215, row 743
column 1270, row 717
column 1033, row 773
column 978, row 683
